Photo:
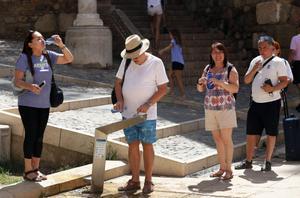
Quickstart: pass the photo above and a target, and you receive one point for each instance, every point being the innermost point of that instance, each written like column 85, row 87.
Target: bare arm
column 249, row 77
column 283, row 82
column 161, row 91
column 201, row 83
column 168, row 48
column 67, row 56
column 19, row 82
column 118, row 90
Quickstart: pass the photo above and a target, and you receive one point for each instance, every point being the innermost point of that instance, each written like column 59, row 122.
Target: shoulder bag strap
column 127, row 63
column 50, row 63
column 264, row 65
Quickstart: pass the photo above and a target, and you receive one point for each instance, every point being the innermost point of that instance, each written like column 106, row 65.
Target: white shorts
column 157, row 10
column 223, row 119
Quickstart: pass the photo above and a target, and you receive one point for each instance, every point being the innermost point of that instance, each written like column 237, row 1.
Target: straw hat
column 134, row 46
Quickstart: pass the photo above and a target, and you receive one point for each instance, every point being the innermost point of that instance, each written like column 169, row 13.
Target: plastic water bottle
column 210, row 84
column 50, row 41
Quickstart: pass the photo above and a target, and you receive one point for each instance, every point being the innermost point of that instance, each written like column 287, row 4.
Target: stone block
column 65, row 21
column 87, row 44
column 46, row 23
column 295, row 15
column 285, row 11
column 268, row 12
column 80, row 142
column 52, row 135
column 189, row 126
column 283, row 34
column 195, row 166
column 5, row 143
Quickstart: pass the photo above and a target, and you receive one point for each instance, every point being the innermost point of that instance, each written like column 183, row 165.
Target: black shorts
column 263, row 116
column 177, row 66
column 296, row 71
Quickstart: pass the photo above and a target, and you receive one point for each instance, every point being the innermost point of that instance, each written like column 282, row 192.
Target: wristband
column 61, row 48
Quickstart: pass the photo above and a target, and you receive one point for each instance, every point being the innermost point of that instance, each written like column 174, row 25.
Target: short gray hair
column 266, row 38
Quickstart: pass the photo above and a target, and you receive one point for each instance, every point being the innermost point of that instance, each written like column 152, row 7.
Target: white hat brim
column 144, row 48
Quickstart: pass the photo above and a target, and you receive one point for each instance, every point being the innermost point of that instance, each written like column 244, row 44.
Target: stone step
column 144, row 12
column 169, row 18
column 63, row 181
column 143, row 6
column 146, row 30
column 179, row 23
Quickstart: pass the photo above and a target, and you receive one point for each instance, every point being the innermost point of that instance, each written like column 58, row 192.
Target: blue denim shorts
column 144, row 132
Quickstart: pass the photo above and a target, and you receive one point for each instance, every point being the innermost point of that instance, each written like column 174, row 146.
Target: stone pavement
column 282, row 181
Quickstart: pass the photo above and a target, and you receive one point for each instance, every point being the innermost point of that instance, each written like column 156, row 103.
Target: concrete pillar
column 89, row 41
column 5, row 141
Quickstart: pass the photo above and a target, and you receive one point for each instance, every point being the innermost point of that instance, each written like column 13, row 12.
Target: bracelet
column 62, row 48
column 149, row 103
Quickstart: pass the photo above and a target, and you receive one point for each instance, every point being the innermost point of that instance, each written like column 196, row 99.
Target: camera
column 269, row 82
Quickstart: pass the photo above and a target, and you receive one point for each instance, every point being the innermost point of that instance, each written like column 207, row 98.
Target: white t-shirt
column 153, row 3
column 295, row 45
column 140, row 84
column 272, row 71
column 288, row 70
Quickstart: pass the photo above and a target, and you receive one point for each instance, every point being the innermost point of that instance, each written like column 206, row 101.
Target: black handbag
column 56, row 94
column 113, row 92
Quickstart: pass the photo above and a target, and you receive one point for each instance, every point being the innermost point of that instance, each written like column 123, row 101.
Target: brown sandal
column 130, row 186
column 148, row 187
column 219, row 173
column 228, row 175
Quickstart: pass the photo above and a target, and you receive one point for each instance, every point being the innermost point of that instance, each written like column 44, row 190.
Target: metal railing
column 100, row 142
column 123, row 24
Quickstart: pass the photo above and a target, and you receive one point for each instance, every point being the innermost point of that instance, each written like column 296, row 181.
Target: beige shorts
column 223, row 119
column 157, row 10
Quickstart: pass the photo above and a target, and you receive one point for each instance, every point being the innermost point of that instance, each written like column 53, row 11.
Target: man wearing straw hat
column 145, row 83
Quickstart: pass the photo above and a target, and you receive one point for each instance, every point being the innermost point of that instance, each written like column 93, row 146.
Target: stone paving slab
column 282, row 181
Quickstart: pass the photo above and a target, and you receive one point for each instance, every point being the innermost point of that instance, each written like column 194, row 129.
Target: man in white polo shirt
column 268, row 76
column 145, row 83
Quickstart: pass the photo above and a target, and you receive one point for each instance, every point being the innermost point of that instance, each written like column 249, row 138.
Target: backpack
column 229, row 68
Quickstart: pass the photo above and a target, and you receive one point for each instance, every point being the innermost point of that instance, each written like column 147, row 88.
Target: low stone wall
column 5, row 140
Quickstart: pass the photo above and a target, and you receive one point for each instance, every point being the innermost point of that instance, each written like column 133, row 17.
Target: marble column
column 89, row 41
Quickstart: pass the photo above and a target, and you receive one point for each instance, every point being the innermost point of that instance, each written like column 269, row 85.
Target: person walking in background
column 145, row 83
column 164, row 16
column 155, row 12
column 268, row 75
column 220, row 83
column 177, row 61
column 294, row 59
column 34, row 103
